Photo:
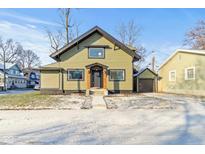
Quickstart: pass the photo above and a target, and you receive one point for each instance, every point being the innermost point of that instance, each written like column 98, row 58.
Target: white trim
column 201, row 52
column 170, row 75
column 186, row 75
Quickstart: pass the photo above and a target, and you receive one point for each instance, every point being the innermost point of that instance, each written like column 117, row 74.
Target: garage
column 146, row 85
column 145, row 81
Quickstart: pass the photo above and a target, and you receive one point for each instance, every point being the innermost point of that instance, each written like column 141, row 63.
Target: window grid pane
column 172, row 75
column 190, row 73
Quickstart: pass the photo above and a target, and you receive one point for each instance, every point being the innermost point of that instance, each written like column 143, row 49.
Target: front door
column 96, row 78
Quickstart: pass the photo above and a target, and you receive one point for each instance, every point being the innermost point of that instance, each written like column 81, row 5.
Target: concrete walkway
column 98, row 102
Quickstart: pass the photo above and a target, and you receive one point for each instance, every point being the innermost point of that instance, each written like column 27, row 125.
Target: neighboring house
column 183, row 73
column 14, row 76
column 145, row 81
column 94, row 60
column 1, row 80
column 32, row 76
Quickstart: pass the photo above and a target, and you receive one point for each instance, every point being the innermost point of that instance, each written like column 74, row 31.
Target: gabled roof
column 49, row 69
column 8, row 65
column 89, row 33
column 142, row 70
column 199, row 52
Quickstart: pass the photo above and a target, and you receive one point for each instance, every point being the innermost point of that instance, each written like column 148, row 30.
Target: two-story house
column 95, row 60
column 33, row 77
column 14, row 76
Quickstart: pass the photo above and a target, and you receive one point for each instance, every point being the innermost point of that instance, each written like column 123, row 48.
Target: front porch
column 96, row 83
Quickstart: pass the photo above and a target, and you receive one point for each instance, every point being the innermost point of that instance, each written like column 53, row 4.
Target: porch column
column 104, row 78
column 88, row 78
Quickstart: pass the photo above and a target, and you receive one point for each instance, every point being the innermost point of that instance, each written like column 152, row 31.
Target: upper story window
column 37, row 76
column 172, row 75
column 17, row 72
column 96, row 53
column 12, row 72
column 33, row 76
column 190, row 73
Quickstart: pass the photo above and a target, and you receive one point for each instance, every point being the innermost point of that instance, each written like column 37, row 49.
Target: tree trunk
column 5, row 86
column 67, row 37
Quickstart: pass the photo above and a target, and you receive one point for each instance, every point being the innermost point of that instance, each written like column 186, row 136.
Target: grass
column 33, row 99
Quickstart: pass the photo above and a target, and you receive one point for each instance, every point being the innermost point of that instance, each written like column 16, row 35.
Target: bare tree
column 65, row 21
column 66, row 33
column 195, row 38
column 11, row 50
column 129, row 34
column 8, row 53
column 28, row 59
column 55, row 39
column 122, row 32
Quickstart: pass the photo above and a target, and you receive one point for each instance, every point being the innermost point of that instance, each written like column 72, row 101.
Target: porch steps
column 97, row 92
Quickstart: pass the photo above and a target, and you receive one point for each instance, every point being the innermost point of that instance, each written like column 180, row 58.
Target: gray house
column 14, row 76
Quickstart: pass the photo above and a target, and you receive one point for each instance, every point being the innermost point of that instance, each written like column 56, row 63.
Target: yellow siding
column 179, row 62
column 50, row 80
column 115, row 58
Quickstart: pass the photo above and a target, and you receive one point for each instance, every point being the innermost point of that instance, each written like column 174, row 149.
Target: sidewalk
column 16, row 91
column 98, row 102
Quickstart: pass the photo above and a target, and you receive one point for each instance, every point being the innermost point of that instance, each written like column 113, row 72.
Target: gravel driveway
column 184, row 124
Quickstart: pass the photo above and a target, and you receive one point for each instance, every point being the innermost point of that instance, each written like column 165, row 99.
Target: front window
column 96, row 53
column 76, row 74
column 172, row 75
column 118, row 75
column 190, row 73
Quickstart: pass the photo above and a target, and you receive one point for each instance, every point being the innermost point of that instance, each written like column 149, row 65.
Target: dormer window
column 96, row 53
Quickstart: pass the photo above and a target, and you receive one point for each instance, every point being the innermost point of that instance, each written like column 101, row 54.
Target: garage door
column 146, row 85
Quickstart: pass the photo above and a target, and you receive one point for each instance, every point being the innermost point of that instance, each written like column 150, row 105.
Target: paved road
column 18, row 91
column 184, row 125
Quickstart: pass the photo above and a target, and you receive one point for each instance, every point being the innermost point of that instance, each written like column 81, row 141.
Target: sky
column 162, row 30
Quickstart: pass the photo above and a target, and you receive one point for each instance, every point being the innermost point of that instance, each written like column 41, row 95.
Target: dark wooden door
column 97, row 79
column 146, row 85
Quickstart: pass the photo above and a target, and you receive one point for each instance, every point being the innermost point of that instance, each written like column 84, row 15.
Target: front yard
column 135, row 119
column 35, row 100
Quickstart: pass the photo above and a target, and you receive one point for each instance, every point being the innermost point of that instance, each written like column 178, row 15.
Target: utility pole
column 4, row 54
column 153, row 61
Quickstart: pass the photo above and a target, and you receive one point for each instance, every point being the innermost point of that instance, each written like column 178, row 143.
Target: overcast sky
column 162, row 30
